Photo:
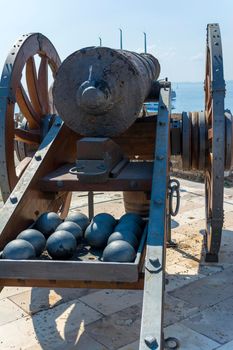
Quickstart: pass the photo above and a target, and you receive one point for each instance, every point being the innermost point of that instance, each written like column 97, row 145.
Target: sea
column 190, row 96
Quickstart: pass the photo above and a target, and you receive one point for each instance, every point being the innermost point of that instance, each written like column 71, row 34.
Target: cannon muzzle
column 99, row 91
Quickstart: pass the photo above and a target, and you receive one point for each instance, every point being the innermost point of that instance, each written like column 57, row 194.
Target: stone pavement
column 198, row 299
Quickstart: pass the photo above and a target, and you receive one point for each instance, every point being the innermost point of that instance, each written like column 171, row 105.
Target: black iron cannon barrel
column 99, row 91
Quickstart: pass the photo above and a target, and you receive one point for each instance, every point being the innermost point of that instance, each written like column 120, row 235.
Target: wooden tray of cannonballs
column 85, row 265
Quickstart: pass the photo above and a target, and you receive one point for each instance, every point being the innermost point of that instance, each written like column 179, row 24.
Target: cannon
column 88, row 135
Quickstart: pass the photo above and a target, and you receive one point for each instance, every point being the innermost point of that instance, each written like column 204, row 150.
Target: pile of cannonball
column 60, row 238
column 117, row 239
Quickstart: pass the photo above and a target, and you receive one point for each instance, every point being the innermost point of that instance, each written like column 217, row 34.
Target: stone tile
column 214, row 322
column 207, row 291
column 176, row 310
column 109, row 301
column 23, row 335
column 117, row 330
column 228, row 346
column 192, row 230
column 177, row 281
column 189, row 339
column 228, row 219
column 33, row 347
column 191, row 215
column 9, row 311
column 187, row 250
column 225, row 253
column 48, row 328
column 193, row 266
column 80, row 342
column 9, row 291
column 38, row 299
column 190, row 204
column 132, row 346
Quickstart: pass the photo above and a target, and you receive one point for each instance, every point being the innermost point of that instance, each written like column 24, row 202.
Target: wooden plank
column 135, row 176
column 26, row 201
column 73, row 284
column 138, row 141
column 69, row 270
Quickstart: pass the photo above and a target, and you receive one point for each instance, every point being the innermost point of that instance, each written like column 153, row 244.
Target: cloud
column 198, row 57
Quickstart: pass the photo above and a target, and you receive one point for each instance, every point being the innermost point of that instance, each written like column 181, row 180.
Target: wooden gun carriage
column 48, row 149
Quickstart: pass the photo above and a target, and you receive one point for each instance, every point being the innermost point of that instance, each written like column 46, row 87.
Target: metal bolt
column 60, row 183
column 38, row 157
column 158, row 201
column 151, row 342
column 159, row 157
column 153, row 265
column 162, row 123
column 13, row 199
column 133, row 184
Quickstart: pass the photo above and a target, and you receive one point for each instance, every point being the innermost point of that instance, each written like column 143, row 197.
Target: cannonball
column 61, row 245
column 132, row 217
column 97, row 234
column 80, row 219
column 35, row 237
column 119, row 251
column 19, row 249
column 47, row 223
column 73, row 228
column 130, row 226
column 106, row 218
column 124, row 236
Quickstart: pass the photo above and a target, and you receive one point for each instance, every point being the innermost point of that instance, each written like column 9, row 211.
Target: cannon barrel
column 99, row 91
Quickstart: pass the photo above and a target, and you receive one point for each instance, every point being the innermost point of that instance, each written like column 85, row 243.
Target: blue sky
column 176, row 30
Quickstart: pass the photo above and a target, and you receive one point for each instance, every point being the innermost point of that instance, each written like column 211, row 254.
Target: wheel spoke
column 21, row 167
column 32, row 84
column 43, row 84
column 26, row 136
column 26, row 108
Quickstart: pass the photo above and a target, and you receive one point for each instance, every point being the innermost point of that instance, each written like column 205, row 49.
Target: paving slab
column 109, row 301
column 179, row 275
column 37, row 299
column 118, row 329
column 214, row 322
column 48, row 328
column 189, row 339
column 79, row 342
column 176, row 310
column 9, row 311
column 207, row 291
column 9, row 291
column 228, row 219
column 228, row 346
column 132, row 346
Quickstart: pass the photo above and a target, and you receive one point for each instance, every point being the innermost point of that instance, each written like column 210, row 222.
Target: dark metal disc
column 186, row 141
column 202, row 141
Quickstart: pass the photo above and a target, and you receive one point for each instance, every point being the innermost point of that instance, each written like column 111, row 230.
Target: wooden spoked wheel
column 25, row 105
column 215, row 152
